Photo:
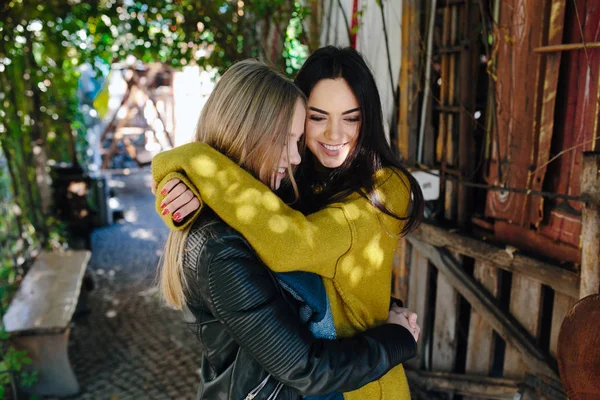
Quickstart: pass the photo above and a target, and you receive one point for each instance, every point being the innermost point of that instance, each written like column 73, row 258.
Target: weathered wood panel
column 512, row 332
column 562, row 305
column 488, row 388
column 522, row 28
column 418, row 299
column 551, row 67
column 576, row 119
column 590, row 220
column 525, row 306
column 559, row 279
column 480, row 350
column 445, row 326
column 401, row 271
column 529, row 240
column 408, row 117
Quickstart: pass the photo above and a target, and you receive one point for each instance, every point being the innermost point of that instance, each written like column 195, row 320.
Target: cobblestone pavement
column 130, row 346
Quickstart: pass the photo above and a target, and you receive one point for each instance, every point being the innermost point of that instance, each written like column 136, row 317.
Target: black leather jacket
column 253, row 341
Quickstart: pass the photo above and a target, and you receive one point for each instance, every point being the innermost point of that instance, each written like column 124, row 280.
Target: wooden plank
column 480, row 345
column 546, row 124
column 418, row 300
column 576, row 126
column 469, row 61
column 562, row 305
column 466, row 385
column 525, row 306
column 590, row 234
column 408, row 117
column 49, row 292
column 513, row 333
column 559, row 279
column 445, row 326
column 533, row 242
column 522, row 28
column 443, row 132
column 401, row 271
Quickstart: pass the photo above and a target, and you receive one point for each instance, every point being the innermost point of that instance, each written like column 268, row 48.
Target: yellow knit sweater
column 350, row 244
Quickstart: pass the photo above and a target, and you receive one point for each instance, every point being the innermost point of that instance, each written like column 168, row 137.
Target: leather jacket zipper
column 254, row 392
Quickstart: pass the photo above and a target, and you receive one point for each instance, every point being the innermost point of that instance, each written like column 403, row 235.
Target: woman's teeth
column 281, row 171
column 332, row 148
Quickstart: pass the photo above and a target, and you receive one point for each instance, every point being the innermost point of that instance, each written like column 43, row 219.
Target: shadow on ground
column 131, row 346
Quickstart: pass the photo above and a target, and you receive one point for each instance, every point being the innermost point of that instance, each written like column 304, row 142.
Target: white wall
column 370, row 41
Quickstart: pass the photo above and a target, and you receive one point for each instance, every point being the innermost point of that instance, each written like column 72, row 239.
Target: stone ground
column 130, row 346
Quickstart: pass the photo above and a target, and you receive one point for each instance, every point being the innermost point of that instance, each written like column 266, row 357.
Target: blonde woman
column 255, row 343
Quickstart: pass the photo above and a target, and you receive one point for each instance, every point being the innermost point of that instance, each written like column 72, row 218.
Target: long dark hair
column 372, row 151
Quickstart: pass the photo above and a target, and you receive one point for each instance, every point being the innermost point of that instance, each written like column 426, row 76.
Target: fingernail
column 176, row 216
column 163, row 192
column 165, row 211
column 163, row 205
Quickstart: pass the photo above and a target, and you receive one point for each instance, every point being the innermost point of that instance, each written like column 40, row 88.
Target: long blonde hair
column 247, row 117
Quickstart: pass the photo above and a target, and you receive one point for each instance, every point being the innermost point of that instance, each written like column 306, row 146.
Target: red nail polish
column 177, row 216
column 163, row 205
column 165, row 211
column 163, row 192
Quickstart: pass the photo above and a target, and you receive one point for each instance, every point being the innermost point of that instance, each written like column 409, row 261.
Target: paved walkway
column 130, row 346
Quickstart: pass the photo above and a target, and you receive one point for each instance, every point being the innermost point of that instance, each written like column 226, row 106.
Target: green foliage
column 13, row 365
column 295, row 52
column 43, row 43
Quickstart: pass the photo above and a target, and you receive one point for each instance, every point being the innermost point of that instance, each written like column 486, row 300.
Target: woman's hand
column 406, row 318
column 180, row 201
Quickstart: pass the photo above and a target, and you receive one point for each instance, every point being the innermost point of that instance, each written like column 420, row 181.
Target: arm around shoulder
column 285, row 239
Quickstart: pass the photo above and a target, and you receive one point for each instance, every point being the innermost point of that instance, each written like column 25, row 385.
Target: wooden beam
column 562, row 305
column 590, row 232
column 559, row 279
column 545, row 128
column 513, row 333
column 480, row 346
column 466, row 385
column 445, row 332
column 468, row 68
column 566, row 47
column 401, row 271
column 526, row 307
column 408, row 116
column 418, row 301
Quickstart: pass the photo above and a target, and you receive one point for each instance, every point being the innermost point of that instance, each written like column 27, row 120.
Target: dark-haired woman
column 357, row 197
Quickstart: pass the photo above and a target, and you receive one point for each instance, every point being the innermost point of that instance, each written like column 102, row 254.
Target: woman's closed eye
column 353, row 119
column 317, row 118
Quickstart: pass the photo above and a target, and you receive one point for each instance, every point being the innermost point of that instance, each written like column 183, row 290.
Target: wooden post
column 408, row 113
column 480, row 348
column 590, row 232
column 418, row 301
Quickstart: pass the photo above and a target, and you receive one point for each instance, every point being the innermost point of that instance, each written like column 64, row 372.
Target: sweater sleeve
column 285, row 239
column 246, row 299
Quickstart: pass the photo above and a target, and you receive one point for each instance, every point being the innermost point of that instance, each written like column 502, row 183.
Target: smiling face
column 290, row 155
column 333, row 122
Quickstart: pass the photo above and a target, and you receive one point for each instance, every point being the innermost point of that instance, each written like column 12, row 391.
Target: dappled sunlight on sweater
column 246, row 213
column 278, row 224
column 374, row 253
column 204, row 165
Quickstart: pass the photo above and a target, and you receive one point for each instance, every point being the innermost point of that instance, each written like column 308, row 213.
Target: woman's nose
column 333, row 132
column 295, row 157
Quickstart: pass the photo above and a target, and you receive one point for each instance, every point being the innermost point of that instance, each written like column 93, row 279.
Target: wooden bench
column 38, row 319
